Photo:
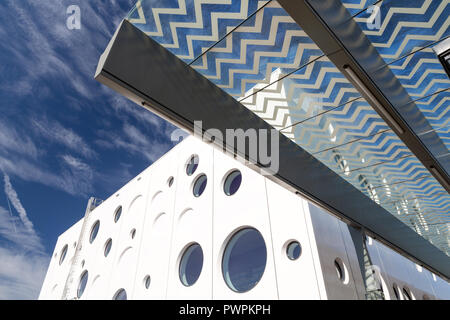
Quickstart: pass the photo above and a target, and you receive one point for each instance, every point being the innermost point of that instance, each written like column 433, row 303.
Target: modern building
column 355, row 96
column 198, row 224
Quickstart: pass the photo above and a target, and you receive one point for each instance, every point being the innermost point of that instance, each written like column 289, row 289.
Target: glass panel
column 406, row 26
column 244, row 260
column 312, row 90
column 191, row 265
column 232, row 182
column 82, row 284
column 121, row 294
column 421, row 73
column 356, row 6
column 188, row 28
column 268, row 41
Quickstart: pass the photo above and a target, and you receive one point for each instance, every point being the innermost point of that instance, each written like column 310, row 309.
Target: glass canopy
column 254, row 51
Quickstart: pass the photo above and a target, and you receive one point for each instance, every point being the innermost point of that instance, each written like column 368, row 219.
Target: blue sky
column 63, row 136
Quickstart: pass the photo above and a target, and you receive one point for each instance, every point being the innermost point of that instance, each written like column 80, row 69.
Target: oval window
column 121, row 294
column 200, row 185
column 63, row 254
column 108, row 245
column 396, row 291
column 192, row 165
column 94, row 231
column 117, row 214
column 232, row 183
column 147, row 281
column 244, row 260
column 191, row 265
column 170, row 181
column 293, row 250
column 82, row 283
column 340, row 270
column 406, row 294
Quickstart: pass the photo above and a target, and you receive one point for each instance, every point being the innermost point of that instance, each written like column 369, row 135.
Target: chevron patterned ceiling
column 255, row 52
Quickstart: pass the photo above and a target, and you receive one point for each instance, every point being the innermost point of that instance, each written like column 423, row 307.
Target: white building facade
column 198, row 224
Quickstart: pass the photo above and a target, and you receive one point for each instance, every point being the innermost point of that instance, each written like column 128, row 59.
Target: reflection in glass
column 191, row 265
column 244, row 260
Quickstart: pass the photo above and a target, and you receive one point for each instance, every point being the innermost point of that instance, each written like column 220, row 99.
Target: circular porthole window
column 63, row 254
column 117, row 214
column 82, row 284
column 199, row 185
column 108, row 245
column 170, row 181
column 396, row 291
column 94, row 231
column 293, row 250
column 341, row 270
column 232, row 182
column 244, row 260
column 147, row 281
column 407, row 294
column 192, row 165
column 121, row 294
column 191, row 264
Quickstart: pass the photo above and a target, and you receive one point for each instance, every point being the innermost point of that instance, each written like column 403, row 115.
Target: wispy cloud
column 133, row 141
column 56, row 132
column 12, row 196
column 23, row 259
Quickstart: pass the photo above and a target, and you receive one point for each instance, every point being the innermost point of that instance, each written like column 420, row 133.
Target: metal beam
column 140, row 69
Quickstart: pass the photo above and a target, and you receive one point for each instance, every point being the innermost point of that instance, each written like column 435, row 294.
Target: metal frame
column 143, row 71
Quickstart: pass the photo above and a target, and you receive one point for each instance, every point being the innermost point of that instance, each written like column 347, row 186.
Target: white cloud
column 57, row 133
column 12, row 196
column 23, row 260
column 67, row 180
column 11, row 140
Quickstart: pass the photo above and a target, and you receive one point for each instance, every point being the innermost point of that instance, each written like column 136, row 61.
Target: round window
column 192, row 165
column 63, row 254
column 108, row 245
column 191, row 264
column 340, row 270
column 200, row 185
column 244, row 260
column 94, row 231
column 407, row 294
column 170, row 181
column 133, row 233
column 121, row 294
column 293, row 250
column 147, row 281
column 82, row 283
column 396, row 291
column 232, row 183
column 117, row 214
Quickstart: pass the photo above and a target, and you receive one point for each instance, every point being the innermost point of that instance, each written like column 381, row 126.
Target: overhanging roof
column 256, row 66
